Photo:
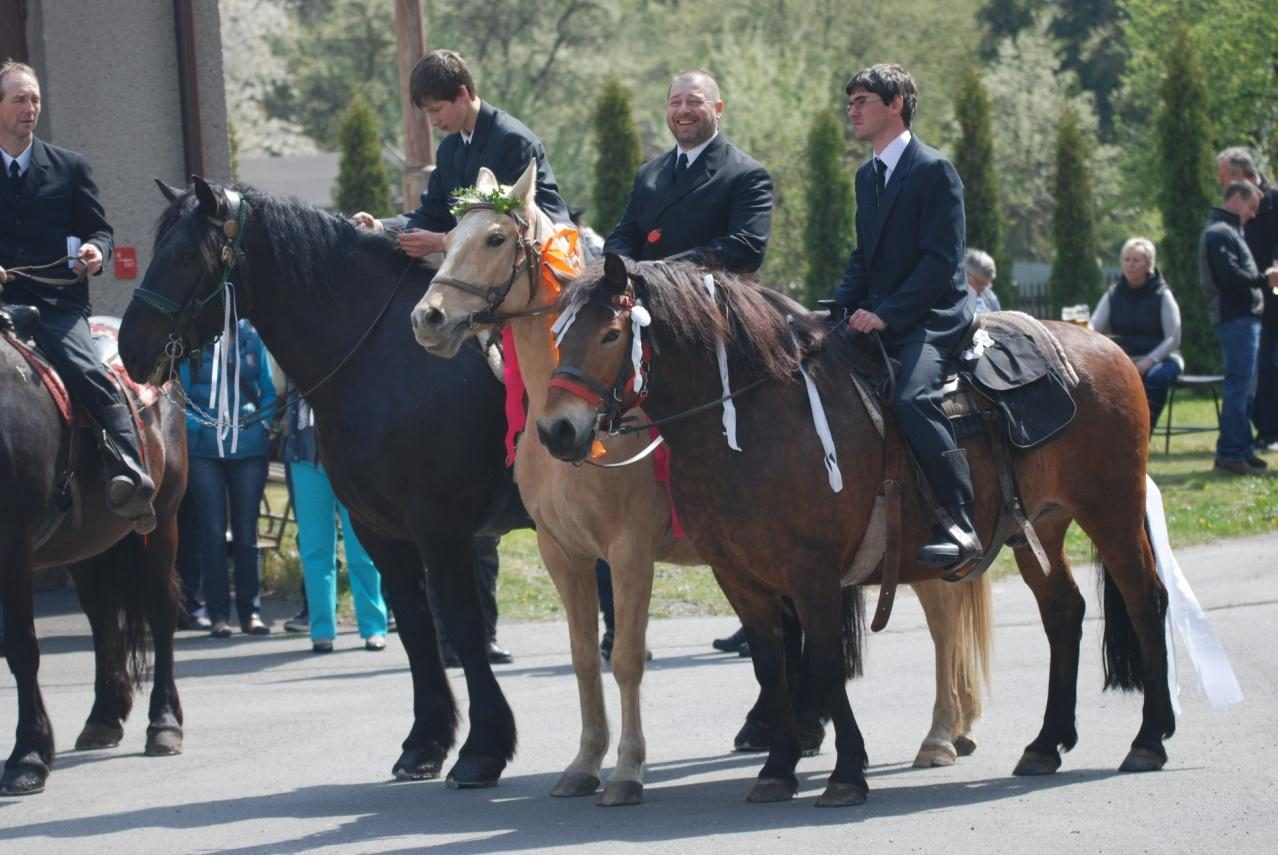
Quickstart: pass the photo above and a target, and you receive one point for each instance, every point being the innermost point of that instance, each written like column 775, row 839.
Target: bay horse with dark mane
column 623, row 513
column 412, row 443
column 125, row 581
column 769, row 526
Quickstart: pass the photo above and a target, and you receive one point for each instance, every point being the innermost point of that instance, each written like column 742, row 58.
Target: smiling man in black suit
column 905, row 281
column 704, row 200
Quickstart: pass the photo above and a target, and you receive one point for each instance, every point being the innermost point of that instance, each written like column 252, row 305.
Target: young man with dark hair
column 1234, row 289
column 478, row 134
column 49, row 208
column 905, row 281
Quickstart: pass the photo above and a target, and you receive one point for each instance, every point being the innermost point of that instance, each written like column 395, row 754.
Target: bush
column 974, row 160
column 618, row 159
column 1076, row 275
column 829, row 228
column 362, row 181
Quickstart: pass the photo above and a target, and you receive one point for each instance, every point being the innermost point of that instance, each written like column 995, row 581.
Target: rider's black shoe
column 130, row 490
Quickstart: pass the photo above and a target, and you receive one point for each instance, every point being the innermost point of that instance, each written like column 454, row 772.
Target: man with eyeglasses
column 905, row 281
column 705, row 200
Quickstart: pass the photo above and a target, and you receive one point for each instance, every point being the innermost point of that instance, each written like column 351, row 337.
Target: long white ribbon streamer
column 219, row 395
column 820, row 422
column 729, row 409
column 1215, row 674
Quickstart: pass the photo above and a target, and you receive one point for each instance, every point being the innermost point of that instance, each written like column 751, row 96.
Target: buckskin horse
column 765, row 520
column 412, row 443
column 496, row 272
column 53, row 511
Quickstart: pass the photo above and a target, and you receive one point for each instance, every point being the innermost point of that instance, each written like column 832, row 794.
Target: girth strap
column 890, row 490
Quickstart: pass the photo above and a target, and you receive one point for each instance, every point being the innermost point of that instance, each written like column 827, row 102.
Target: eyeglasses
column 856, row 105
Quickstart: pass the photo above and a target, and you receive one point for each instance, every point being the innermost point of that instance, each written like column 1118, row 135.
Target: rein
column 47, row 280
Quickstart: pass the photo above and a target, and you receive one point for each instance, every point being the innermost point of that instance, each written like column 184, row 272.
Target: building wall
column 109, row 77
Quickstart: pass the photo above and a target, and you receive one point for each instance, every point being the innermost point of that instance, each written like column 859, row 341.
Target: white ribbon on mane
column 729, row 409
column 1215, row 674
column 219, row 395
column 819, row 421
column 564, row 321
column 639, row 318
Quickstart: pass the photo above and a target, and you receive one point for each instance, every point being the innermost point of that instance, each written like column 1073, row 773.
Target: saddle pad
column 52, row 382
column 106, row 341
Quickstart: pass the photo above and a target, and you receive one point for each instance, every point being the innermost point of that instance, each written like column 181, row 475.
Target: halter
column 182, row 336
column 526, row 254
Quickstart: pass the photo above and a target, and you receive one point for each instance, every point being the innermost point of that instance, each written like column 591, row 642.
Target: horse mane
column 749, row 318
column 311, row 249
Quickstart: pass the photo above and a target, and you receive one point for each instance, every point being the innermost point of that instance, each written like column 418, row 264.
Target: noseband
column 526, row 254
column 182, row 337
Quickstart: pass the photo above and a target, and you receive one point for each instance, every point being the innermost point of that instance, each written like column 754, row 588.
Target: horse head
column 596, row 378
column 179, row 306
column 488, row 256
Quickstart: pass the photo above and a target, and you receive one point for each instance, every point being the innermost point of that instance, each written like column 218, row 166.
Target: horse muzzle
column 567, row 436
column 435, row 333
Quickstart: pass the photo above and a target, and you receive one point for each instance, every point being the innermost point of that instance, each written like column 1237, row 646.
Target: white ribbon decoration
column 564, row 321
column 819, row 421
column 219, row 395
column 729, row 409
column 639, row 318
column 1215, row 674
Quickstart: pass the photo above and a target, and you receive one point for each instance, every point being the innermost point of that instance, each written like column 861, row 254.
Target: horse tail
column 1121, row 646
column 853, row 631
column 975, row 640
column 114, row 582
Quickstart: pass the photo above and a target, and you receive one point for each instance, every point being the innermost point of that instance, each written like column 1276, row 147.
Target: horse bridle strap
column 526, row 254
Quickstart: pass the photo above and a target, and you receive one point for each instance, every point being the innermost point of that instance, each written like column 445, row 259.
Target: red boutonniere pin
column 654, row 235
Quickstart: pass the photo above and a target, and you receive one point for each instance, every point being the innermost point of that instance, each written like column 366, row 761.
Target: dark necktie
column 15, row 177
column 880, row 179
column 681, row 166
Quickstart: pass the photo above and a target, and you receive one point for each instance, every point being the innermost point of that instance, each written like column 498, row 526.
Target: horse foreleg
column 434, row 710
column 112, row 691
column 632, row 582
column 574, row 579
column 161, row 601
column 1061, row 607
column 490, row 743
column 27, row 768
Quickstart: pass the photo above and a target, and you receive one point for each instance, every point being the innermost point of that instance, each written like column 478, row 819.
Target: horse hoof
column 1143, row 760
column 811, row 735
column 475, row 772
column 773, row 790
column 26, row 777
column 574, row 785
column 96, row 735
column 419, row 765
column 843, row 795
column 753, row 736
column 1033, row 763
column 163, row 741
column 933, row 755
column 965, row 745
column 620, row 793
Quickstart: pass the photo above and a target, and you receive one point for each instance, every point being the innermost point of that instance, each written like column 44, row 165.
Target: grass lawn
column 1201, row 507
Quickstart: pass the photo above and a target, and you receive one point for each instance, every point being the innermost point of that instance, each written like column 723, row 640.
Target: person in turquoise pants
column 318, row 512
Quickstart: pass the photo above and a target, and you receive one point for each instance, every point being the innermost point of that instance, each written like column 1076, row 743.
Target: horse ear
column 210, row 201
column 526, row 187
column 486, row 180
column 168, row 191
column 615, row 274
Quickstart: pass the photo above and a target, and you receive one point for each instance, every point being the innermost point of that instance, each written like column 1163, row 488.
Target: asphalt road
column 291, row 752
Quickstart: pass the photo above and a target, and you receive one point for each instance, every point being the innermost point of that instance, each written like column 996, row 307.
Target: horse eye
column 496, row 240
column 611, row 336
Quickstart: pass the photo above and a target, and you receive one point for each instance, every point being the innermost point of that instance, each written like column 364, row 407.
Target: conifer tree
column 1185, row 172
column 618, row 154
column 362, row 181
column 974, row 160
column 1076, row 275
column 829, row 228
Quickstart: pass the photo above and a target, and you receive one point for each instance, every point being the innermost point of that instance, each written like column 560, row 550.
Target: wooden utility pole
column 419, row 146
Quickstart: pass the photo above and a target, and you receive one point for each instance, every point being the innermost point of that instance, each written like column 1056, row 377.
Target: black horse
column 412, row 443
column 125, row 581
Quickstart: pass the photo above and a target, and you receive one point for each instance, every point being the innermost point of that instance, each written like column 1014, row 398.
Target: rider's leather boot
column 951, row 482
column 130, row 490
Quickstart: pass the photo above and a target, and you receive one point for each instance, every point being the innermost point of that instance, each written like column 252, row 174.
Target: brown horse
column 623, row 514
column 125, row 582
column 770, row 527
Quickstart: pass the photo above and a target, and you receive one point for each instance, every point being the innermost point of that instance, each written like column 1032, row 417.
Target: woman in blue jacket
column 222, row 475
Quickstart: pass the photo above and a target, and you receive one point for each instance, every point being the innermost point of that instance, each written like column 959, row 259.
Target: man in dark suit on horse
column 49, row 210
column 479, row 135
column 905, row 282
column 705, row 200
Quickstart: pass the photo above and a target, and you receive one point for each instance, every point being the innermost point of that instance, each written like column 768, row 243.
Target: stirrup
column 958, row 547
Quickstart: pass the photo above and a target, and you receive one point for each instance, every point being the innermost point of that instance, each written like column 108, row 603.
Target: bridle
column 527, row 254
column 182, row 337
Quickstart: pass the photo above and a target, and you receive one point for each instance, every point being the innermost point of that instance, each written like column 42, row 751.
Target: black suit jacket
column 503, row 144
column 718, row 213
column 58, row 199
column 907, row 266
